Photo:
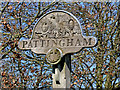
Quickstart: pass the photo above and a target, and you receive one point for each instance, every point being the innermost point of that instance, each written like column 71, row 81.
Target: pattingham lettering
column 66, row 42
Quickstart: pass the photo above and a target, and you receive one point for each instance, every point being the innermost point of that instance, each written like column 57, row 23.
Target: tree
column 96, row 67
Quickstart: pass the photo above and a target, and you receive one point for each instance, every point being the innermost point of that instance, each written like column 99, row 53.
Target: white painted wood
column 61, row 73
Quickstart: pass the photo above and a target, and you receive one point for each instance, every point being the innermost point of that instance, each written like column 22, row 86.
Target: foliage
column 96, row 67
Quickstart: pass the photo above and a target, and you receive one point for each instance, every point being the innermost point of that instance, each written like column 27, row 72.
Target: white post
column 61, row 73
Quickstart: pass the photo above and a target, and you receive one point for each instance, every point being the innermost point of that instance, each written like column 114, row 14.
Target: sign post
column 58, row 34
column 61, row 73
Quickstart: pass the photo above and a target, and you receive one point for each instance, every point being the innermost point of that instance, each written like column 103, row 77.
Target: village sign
column 55, row 34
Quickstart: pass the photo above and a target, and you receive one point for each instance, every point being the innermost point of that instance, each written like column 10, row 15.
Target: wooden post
column 61, row 73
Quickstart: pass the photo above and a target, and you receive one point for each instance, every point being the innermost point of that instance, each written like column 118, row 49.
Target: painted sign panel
column 57, row 29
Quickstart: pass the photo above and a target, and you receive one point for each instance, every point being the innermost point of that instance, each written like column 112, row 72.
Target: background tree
column 96, row 67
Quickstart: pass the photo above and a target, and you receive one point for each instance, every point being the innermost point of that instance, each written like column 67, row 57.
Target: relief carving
column 57, row 25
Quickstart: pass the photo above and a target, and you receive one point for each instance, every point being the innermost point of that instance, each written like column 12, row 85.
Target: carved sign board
column 57, row 31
